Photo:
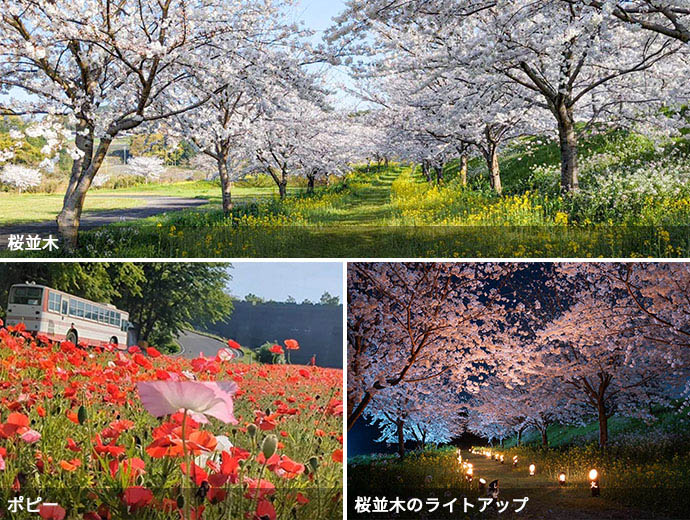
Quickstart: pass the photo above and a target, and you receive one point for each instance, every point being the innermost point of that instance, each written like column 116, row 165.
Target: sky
column 317, row 14
column 278, row 280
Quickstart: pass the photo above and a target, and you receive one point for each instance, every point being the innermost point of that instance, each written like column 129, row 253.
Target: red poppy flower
column 153, row 352
column 15, row 423
column 291, row 344
column 216, row 495
column 234, row 344
column 276, row 349
column 70, row 465
column 197, row 474
column 259, row 488
column 337, row 456
column 72, row 446
column 136, row 497
column 265, row 511
column 51, row 512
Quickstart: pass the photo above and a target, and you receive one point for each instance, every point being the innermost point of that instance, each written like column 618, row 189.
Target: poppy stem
column 185, row 493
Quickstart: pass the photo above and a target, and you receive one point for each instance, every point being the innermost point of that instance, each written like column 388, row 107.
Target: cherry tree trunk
column 439, row 174
column 401, row 438
column 568, row 145
column 68, row 219
column 225, row 185
column 282, row 189
column 491, row 156
column 603, row 426
column 463, row 169
column 426, row 170
column 311, row 180
column 544, row 438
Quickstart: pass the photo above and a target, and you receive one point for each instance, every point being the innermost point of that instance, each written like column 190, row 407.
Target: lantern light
column 515, row 461
column 468, row 473
column 561, row 478
column 532, row 469
column 501, row 459
column 594, row 482
column 482, row 485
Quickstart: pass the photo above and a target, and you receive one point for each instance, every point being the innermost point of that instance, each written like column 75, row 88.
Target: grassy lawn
column 46, row 206
column 36, row 207
column 627, row 207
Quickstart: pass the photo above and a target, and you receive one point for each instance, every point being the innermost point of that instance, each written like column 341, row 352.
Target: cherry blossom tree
column 151, row 168
column 588, row 336
column 410, row 322
column 670, row 18
column 562, row 58
column 422, row 412
column 111, row 67
column 20, row 177
column 300, row 137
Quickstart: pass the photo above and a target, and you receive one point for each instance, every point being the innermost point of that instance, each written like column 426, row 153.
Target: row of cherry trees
column 232, row 77
column 453, row 76
column 435, row 349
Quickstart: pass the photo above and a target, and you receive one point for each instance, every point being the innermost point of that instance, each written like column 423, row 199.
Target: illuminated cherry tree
column 410, row 322
column 599, row 340
column 423, row 412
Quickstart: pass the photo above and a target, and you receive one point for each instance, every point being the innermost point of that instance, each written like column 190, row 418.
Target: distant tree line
column 162, row 298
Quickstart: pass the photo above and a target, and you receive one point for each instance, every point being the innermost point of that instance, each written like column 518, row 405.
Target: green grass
column 392, row 212
column 46, row 206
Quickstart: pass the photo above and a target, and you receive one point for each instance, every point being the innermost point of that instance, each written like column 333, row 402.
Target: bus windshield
column 27, row 295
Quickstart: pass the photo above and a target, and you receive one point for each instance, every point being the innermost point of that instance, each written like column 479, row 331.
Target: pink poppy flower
column 199, row 398
column 30, row 436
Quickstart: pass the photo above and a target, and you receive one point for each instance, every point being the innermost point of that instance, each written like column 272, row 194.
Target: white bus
column 62, row 316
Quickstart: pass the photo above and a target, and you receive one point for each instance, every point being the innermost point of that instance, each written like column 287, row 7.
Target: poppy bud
column 269, row 446
column 314, row 463
column 202, row 491
column 251, row 430
column 82, row 415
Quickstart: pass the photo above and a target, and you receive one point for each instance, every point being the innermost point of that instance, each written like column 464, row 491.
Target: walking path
column 154, row 205
column 548, row 500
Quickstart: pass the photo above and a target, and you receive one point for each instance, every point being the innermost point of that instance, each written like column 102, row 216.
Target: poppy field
column 101, row 434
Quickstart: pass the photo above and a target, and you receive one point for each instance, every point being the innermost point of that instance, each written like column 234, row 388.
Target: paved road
column 193, row 344
column 154, row 205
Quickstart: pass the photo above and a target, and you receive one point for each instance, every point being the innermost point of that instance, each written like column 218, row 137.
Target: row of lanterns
column 593, row 474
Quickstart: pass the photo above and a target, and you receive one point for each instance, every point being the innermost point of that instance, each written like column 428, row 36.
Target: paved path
column 154, row 205
column 547, row 500
column 193, row 344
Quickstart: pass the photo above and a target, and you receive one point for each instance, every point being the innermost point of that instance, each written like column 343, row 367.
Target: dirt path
column 547, row 500
column 154, row 205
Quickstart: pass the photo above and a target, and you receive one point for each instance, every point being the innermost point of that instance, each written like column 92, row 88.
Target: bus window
column 80, row 309
column 27, row 295
column 54, row 301
column 65, row 303
column 125, row 326
column 72, row 307
column 112, row 317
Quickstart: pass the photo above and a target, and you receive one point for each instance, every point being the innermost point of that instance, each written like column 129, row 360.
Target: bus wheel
column 72, row 336
column 113, row 340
